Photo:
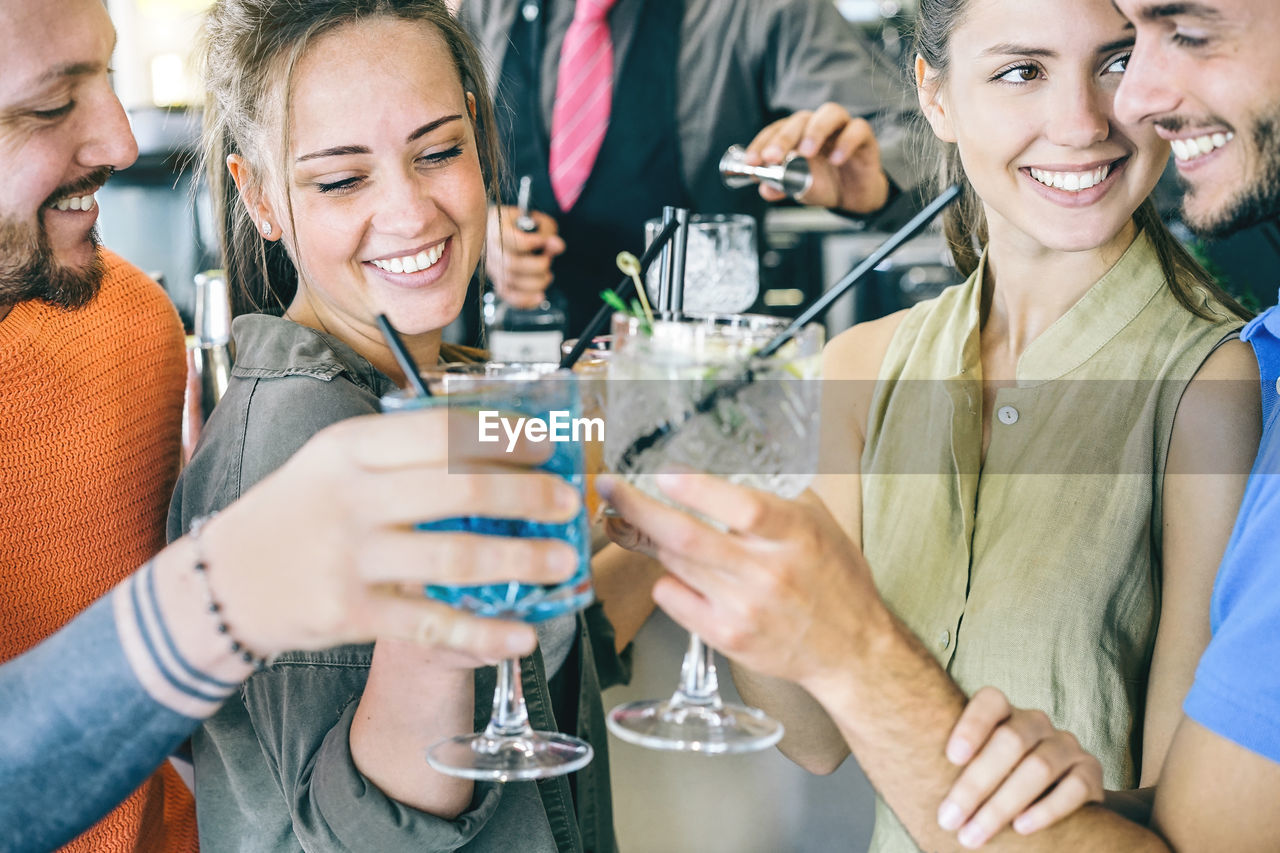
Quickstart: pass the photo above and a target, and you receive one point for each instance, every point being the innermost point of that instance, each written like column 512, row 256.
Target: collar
column 1101, row 313
column 1268, row 321
column 269, row 347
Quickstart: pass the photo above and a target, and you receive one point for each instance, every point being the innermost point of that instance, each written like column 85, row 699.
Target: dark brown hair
column 965, row 222
column 249, row 50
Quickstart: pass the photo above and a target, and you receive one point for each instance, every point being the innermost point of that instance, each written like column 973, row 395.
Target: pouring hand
column 843, row 155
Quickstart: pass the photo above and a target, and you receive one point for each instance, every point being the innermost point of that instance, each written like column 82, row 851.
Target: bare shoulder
column 858, row 352
column 1233, row 360
column 1226, row 387
column 1215, row 794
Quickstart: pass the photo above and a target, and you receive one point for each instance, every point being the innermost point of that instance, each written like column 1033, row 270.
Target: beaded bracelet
column 258, row 662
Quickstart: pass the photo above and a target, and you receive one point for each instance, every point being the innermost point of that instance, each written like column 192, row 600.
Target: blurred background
column 157, row 215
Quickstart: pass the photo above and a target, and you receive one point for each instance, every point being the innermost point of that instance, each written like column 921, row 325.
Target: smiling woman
column 1043, row 417
column 360, row 179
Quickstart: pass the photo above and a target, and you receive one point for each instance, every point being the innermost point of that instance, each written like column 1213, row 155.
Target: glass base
column 722, row 729
column 537, row 755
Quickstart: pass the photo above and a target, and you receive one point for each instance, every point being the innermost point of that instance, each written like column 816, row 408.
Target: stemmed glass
column 509, row 748
column 764, row 435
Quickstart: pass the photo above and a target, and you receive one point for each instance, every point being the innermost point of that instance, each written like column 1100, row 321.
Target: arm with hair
column 850, row 364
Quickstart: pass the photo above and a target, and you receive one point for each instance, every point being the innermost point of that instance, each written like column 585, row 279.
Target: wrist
column 851, row 662
column 171, row 640
column 871, row 201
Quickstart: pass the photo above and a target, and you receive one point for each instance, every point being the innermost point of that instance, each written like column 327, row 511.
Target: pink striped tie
column 584, row 94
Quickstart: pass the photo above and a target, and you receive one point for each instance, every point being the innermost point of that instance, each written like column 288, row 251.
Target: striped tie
column 584, row 93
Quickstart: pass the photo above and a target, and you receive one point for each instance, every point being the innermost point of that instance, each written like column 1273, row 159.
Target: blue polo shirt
column 1237, row 688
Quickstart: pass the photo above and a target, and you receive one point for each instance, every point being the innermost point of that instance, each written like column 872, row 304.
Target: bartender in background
column 616, row 108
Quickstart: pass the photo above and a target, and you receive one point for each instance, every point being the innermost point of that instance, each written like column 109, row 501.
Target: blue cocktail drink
column 509, row 749
column 528, row 602
column 515, row 390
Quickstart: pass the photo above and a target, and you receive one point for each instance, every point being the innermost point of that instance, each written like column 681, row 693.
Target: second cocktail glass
column 509, row 748
column 763, row 435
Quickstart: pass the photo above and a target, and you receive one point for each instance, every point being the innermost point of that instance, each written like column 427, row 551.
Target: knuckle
column 684, row 539
column 1008, row 740
column 753, row 515
column 990, row 697
column 1039, row 721
column 732, row 639
column 966, row 792
column 1038, row 767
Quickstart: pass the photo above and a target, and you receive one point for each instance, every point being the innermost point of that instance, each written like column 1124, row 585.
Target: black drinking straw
column 406, row 362
column 731, row 388
column 598, row 322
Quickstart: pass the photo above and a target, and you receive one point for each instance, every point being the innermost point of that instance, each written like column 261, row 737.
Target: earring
column 266, row 229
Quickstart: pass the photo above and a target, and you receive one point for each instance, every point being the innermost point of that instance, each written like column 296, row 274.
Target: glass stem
column 698, row 682
column 510, row 717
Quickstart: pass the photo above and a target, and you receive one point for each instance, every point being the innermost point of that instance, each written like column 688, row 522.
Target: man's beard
column 30, row 271
column 1259, row 200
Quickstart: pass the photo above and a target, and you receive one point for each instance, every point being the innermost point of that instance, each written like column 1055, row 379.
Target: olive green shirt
column 1037, row 570
column 273, row 769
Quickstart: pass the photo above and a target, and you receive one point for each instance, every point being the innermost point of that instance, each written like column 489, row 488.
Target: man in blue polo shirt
column 1207, row 75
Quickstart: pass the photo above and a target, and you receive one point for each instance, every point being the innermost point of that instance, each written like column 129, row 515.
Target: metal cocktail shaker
column 209, row 356
column 792, row 176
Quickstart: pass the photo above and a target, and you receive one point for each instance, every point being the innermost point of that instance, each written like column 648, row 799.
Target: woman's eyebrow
column 343, row 150
column 1007, row 48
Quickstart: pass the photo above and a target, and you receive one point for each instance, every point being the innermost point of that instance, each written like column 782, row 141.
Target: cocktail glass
column 764, row 435
column 509, row 748
column 722, row 266
column 592, row 369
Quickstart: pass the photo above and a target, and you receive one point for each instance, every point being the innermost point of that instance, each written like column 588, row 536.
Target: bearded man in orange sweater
column 91, row 367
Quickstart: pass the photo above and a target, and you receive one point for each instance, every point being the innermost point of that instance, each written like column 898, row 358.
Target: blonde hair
column 249, row 51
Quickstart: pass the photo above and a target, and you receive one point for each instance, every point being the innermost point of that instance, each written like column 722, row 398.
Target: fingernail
column 1024, row 825
column 567, row 498
column 972, row 836
column 959, row 751
column 808, row 148
column 605, row 484
column 837, row 158
column 949, row 816
column 668, row 481
column 773, row 152
column 517, row 642
column 562, row 560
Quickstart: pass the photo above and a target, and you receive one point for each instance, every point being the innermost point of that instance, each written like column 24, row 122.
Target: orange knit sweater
column 90, row 408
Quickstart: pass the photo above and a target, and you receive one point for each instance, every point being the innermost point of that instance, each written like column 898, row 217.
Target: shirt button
column 944, row 640
column 1278, row 386
column 1008, row 415
column 530, row 12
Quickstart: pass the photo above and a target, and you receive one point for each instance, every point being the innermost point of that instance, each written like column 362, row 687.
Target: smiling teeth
column 412, row 263
column 1072, row 182
column 1198, row 146
column 79, row 202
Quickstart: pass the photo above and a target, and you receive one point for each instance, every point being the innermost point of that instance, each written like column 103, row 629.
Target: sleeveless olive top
column 1037, row 571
